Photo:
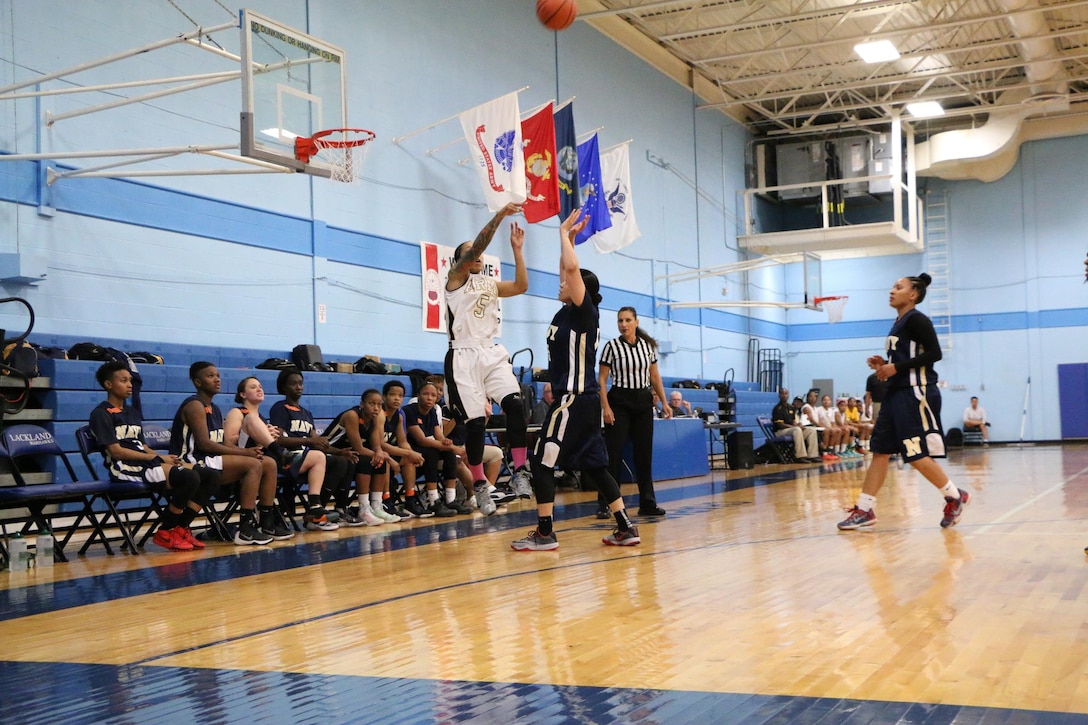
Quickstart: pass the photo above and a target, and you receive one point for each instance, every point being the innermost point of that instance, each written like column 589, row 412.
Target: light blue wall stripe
column 144, row 205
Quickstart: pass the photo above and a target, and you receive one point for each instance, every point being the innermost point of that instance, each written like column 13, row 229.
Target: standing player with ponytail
column 909, row 422
column 570, row 437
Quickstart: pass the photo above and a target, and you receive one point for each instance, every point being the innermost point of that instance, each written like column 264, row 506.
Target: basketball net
column 833, row 306
column 343, row 150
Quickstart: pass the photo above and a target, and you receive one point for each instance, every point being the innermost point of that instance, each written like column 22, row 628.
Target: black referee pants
column 634, row 414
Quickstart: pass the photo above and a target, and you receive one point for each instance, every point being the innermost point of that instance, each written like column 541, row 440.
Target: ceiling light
column 925, row 109
column 879, row 51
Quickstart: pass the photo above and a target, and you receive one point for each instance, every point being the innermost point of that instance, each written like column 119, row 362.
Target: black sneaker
column 440, row 509
column 273, row 525
column 458, row 507
column 414, row 506
column 604, row 513
column 250, row 533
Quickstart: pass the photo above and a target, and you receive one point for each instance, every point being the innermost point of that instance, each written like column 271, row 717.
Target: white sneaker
column 483, row 499
column 369, row 517
column 384, row 515
column 521, row 483
column 471, row 503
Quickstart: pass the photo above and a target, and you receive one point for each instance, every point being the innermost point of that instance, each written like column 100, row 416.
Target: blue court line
column 53, row 596
column 92, row 694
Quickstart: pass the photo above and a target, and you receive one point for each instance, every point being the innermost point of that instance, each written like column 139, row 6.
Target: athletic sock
column 185, row 518
column 949, row 490
column 169, row 519
column 477, row 470
column 432, row 495
column 544, row 525
column 451, row 494
column 866, row 502
column 518, row 456
column 314, row 501
column 375, row 500
column 621, row 519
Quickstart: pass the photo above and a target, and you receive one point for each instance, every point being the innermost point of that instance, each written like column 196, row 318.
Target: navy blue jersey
column 182, row 442
column 572, row 348
column 913, row 348
column 392, row 422
column 294, row 420
column 426, row 422
column 338, row 434
column 124, row 426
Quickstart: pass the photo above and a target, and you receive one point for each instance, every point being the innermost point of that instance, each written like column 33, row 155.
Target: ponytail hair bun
column 920, row 283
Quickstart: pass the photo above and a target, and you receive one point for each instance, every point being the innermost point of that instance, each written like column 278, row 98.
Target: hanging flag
column 541, row 181
column 592, row 193
column 435, row 262
column 493, row 132
column 566, row 144
column 616, row 177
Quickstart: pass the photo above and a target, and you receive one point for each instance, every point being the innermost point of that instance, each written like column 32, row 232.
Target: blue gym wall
column 243, row 261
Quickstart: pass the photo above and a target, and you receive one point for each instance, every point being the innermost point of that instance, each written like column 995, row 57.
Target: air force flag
column 616, row 177
column 493, row 133
column 589, row 185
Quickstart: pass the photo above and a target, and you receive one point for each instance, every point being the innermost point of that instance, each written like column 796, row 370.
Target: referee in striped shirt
column 628, row 406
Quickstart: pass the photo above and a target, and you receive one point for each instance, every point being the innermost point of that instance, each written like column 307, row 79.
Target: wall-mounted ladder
column 939, row 295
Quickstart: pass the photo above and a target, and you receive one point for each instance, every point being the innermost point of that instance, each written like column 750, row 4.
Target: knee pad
column 474, row 445
column 514, row 407
column 184, row 483
column 210, row 480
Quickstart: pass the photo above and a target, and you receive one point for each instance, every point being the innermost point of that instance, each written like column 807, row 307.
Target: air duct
column 990, row 151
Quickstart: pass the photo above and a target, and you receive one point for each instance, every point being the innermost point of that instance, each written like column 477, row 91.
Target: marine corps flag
column 566, row 144
column 541, row 180
column 616, row 178
column 493, row 133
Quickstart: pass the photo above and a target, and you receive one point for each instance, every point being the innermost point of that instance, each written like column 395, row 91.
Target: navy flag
column 566, row 146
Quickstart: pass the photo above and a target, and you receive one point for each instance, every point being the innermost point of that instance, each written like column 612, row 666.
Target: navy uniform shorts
column 570, row 437
column 909, row 423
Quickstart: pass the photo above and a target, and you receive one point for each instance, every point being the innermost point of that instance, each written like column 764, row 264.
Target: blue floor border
column 79, row 693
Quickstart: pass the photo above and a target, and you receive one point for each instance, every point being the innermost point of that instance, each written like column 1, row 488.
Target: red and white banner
column 435, row 261
column 541, row 179
column 493, row 133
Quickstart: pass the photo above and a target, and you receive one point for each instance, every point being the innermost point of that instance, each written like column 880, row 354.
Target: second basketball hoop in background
column 556, row 14
column 833, row 306
column 342, row 149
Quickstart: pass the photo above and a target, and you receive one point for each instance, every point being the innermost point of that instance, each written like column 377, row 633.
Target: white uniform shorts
column 476, row 375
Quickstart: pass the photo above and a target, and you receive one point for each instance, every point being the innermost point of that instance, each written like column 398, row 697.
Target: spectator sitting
column 680, row 407
column 659, row 406
column 974, row 419
column 540, row 410
column 829, row 437
column 806, row 444
column 857, row 416
column 850, row 416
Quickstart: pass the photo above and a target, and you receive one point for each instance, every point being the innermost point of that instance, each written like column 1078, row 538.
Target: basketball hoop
column 339, row 151
column 833, row 306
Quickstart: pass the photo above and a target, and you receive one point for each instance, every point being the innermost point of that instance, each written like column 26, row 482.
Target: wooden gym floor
column 744, row 604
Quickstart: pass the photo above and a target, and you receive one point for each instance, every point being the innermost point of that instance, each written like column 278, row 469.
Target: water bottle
column 43, row 552
column 18, row 556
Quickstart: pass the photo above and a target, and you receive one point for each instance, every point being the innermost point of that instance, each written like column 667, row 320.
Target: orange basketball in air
column 556, row 14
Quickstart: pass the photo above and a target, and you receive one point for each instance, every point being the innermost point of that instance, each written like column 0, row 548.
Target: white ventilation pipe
column 990, row 151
